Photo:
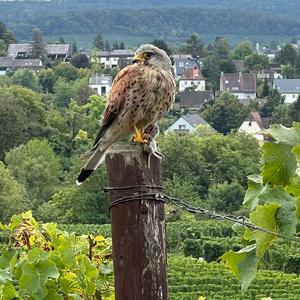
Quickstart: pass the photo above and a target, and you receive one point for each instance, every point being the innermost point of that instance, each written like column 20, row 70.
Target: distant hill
column 173, row 20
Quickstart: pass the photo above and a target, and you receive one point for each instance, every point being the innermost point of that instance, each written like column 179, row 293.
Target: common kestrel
column 141, row 94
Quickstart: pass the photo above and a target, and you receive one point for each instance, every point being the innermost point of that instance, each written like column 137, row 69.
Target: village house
column 193, row 101
column 187, row 124
column 243, row 86
column 115, row 57
column 12, row 64
column 101, row 84
column 193, row 79
column 53, row 51
column 289, row 88
column 254, row 125
column 183, row 62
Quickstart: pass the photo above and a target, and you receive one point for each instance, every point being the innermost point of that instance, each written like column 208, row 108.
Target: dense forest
column 164, row 19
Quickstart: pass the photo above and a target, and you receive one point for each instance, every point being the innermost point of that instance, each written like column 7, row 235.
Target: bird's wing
column 125, row 82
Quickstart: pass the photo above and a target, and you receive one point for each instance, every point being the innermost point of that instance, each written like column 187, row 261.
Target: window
column 181, row 64
column 103, row 90
column 182, row 126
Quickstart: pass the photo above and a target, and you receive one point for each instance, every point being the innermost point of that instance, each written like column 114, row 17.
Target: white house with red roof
column 192, row 78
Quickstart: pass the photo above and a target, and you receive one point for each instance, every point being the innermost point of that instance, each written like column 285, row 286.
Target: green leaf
column 74, row 297
column 254, row 191
column 106, row 269
column 243, row 264
column 286, row 215
column 5, row 276
column 8, row 292
column 6, row 258
column 35, row 276
column 279, row 163
column 286, row 135
column 53, row 295
column 87, row 273
column 264, row 217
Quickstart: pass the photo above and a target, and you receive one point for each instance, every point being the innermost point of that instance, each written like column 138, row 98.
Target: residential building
column 101, row 84
column 113, row 58
column 187, row 124
column 254, row 125
column 193, row 101
column 289, row 88
column 192, row 78
column 183, row 62
column 10, row 63
column 53, row 51
column 243, row 86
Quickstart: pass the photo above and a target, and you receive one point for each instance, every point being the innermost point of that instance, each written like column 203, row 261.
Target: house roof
column 58, row 49
column 194, row 119
column 238, row 82
column 254, row 116
column 287, row 85
column 195, row 99
column 52, row 49
column 10, row 62
column 192, row 74
column 116, row 53
column 100, row 80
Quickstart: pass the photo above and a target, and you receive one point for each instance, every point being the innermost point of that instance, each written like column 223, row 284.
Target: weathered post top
column 138, row 223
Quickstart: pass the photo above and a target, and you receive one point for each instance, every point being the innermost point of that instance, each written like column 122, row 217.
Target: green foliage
column 287, row 55
column 242, row 50
column 225, row 197
column 43, row 262
column 273, row 197
column 63, row 93
column 98, row 42
column 47, row 80
column 6, row 35
column 256, row 62
column 80, row 61
column 38, row 49
column 273, row 100
column 23, row 109
column 225, row 113
column 66, row 71
column 37, row 167
column 13, row 197
column 26, row 78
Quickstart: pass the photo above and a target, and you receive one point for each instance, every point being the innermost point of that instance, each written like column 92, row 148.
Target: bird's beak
column 138, row 58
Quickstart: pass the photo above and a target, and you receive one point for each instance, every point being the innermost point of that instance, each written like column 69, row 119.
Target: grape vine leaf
column 243, row 264
column 35, row 276
column 53, row 295
column 7, row 292
column 286, row 135
column 264, row 217
column 5, row 276
column 286, row 215
column 279, row 163
column 254, row 191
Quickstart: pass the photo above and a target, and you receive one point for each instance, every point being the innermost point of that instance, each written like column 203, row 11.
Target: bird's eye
column 147, row 55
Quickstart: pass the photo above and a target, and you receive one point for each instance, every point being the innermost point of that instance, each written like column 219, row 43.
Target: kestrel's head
column 148, row 54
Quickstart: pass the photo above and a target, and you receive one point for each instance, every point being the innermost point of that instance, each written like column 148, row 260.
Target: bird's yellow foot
column 139, row 136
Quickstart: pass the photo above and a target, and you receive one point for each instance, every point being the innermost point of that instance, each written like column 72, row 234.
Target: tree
column 160, row 43
column 63, row 93
column 122, row 45
column 294, row 110
column 6, row 35
column 74, row 48
column 22, row 116
column 80, row 60
column 3, row 47
column 66, row 71
column 266, row 89
column 221, row 48
column 194, row 45
column 13, row 197
column 242, row 50
column 61, row 40
column 47, row 80
column 37, row 167
column 107, row 46
column 273, row 100
column 26, row 78
column 287, row 55
column 98, row 42
column 211, row 71
column 280, row 115
column 81, row 91
column 225, row 113
column 256, row 62
column 288, row 71
column 38, row 49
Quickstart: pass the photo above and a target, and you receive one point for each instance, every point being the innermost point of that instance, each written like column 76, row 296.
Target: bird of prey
column 140, row 95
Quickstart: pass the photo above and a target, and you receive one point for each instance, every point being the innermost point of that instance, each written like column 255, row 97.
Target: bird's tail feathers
column 95, row 158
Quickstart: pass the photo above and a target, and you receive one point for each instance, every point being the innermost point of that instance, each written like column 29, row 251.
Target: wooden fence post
column 138, row 223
